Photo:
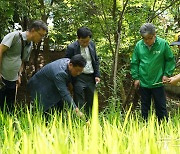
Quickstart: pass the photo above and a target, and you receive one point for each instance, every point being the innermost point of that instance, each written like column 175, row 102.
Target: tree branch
column 155, row 15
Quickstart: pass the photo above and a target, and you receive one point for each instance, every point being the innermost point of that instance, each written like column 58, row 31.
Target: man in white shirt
column 84, row 84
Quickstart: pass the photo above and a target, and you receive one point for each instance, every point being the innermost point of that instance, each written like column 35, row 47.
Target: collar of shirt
column 149, row 47
column 83, row 49
column 27, row 43
column 68, row 72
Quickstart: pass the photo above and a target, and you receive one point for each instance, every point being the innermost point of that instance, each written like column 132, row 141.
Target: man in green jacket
column 151, row 65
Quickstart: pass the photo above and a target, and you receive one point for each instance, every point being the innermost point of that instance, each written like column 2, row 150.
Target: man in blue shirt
column 49, row 84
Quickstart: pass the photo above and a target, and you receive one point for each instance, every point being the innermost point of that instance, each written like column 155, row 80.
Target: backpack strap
column 22, row 45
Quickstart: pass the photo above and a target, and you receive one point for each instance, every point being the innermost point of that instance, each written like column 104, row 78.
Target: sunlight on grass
column 28, row 132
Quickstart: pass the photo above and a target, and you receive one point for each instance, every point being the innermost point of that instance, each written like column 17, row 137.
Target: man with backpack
column 14, row 49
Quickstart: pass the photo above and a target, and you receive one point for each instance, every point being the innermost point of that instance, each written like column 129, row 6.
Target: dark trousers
column 7, row 94
column 84, row 87
column 158, row 94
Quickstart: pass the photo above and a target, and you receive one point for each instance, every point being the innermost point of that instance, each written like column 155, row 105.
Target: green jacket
column 150, row 65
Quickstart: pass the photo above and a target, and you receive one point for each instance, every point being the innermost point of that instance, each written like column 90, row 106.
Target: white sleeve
column 9, row 39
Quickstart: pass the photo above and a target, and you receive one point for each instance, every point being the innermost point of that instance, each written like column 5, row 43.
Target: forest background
column 115, row 25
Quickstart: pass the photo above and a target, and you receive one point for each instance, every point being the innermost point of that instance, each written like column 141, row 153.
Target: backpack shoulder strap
column 22, row 45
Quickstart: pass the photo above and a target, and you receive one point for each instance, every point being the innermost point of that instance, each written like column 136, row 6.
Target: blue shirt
column 49, row 84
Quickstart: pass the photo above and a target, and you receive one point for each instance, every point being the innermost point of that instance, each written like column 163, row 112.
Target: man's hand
column 173, row 80
column 19, row 81
column 136, row 84
column 97, row 80
column 165, row 79
column 79, row 113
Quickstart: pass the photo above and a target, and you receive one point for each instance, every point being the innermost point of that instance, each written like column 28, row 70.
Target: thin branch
column 114, row 10
column 154, row 4
column 108, row 34
column 115, row 66
column 121, row 16
column 172, row 3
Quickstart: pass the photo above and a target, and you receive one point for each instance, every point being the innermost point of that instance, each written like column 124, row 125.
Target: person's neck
column 28, row 36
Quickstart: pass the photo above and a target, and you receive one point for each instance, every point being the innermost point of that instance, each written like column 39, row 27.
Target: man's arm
column 3, row 48
column 96, row 69
column 135, row 68
column 135, row 65
column 20, row 73
column 169, row 61
column 60, row 82
column 175, row 79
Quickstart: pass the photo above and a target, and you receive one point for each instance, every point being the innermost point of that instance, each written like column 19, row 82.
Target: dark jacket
column 74, row 49
column 49, row 84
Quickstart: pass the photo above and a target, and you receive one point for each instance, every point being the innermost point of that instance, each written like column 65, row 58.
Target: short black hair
column 78, row 60
column 37, row 25
column 84, row 32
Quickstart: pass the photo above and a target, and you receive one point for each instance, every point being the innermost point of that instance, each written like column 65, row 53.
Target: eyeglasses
column 41, row 35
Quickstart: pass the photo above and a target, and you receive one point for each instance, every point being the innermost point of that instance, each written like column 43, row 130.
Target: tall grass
column 27, row 131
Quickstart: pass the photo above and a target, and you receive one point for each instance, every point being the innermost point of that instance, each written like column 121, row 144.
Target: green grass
column 27, row 132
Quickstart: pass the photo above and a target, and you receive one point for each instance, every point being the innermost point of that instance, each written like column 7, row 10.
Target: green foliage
column 6, row 15
column 103, row 18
